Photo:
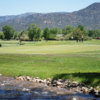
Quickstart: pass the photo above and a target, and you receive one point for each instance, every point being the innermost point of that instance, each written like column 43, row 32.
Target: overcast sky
column 14, row 7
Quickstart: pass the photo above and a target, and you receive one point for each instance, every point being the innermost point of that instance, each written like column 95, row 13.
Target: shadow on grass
column 92, row 79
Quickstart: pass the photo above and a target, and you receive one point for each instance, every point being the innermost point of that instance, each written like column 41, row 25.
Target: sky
column 15, row 7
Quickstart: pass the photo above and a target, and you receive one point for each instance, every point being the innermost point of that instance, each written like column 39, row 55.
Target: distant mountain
column 88, row 17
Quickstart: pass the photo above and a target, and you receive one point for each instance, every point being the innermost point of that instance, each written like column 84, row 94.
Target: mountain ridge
column 88, row 17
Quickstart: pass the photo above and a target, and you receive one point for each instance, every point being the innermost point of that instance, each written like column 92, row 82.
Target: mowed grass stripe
column 50, row 49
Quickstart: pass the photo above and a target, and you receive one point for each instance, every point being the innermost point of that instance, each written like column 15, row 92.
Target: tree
column 2, row 35
column 32, row 30
column 53, row 33
column 77, row 34
column 38, row 34
column 83, row 29
column 8, row 32
column 46, row 33
column 23, row 35
column 91, row 33
column 20, row 37
column 67, row 30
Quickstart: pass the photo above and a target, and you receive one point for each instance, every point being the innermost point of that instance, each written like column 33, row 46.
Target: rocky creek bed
column 27, row 88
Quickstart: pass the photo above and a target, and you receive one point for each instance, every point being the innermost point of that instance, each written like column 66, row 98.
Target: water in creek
column 11, row 89
column 38, row 95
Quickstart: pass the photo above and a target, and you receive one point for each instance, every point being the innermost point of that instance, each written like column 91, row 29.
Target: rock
column 60, row 80
column 98, row 87
column 59, row 83
column 74, row 98
column 91, row 90
column 85, row 90
column 28, row 78
column 45, row 92
column 94, row 92
column 22, row 78
column 77, row 89
column 97, row 93
column 48, row 83
column 38, row 94
column 44, row 81
column 74, row 84
column 49, row 79
column 19, row 78
column 38, row 80
column 2, row 84
column 25, row 89
column 54, row 83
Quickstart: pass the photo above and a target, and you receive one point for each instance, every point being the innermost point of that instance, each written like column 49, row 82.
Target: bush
column 60, row 38
column 87, row 38
column 69, row 36
column 25, row 38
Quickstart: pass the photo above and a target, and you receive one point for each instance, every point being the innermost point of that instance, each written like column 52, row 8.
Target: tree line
column 35, row 33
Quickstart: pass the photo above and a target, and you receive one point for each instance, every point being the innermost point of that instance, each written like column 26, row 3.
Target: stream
column 12, row 89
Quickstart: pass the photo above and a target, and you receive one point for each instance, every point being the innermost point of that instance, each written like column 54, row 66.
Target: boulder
column 19, row 78
column 97, row 93
column 25, row 89
column 85, row 90
column 49, row 79
column 28, row 78
column 73, row 84
column 59, row 83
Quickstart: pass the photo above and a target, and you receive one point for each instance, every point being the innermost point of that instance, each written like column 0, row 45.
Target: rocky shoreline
column 66, row 84
column 47, row 88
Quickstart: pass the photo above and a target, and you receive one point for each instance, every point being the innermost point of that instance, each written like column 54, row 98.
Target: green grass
column 50, row 47
column 54, row 59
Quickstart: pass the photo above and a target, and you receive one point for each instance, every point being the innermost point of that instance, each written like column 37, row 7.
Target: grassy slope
column 61, row 60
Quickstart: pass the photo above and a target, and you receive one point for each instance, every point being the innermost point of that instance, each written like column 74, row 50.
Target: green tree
column 53, row 33
column 32, row 30
column 46, row 33
column 83, row 29
column 38, row 34
column 94, row 33
column 77, row 34
column 8, row 32
column 91, row 33
column 67, row 30
column 2, row 35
